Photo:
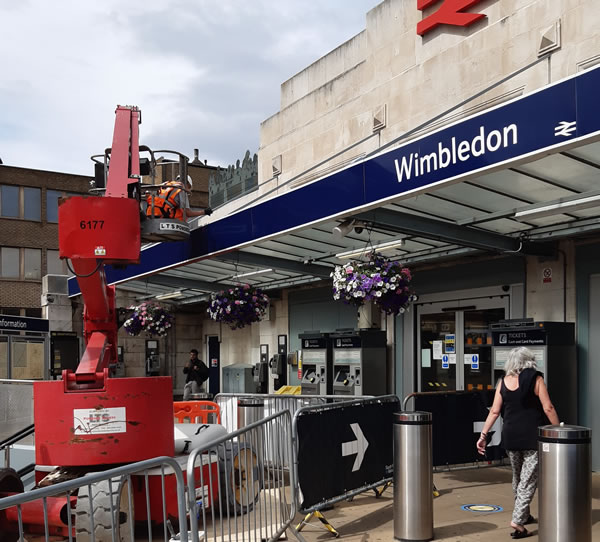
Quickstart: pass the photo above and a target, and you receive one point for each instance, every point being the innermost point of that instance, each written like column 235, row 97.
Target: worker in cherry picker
column 172, row 201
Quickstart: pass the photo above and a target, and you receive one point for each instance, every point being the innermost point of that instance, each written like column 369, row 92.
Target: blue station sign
column 555, row 117
column 550, row 117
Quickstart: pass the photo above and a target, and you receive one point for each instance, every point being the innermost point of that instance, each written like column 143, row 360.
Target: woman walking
column 523, row 397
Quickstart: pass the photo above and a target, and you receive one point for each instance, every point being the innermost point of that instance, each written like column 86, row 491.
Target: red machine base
column 130, row 420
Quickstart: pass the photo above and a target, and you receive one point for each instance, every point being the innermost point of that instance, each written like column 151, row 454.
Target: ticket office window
column 27, row 359
column 455, row 344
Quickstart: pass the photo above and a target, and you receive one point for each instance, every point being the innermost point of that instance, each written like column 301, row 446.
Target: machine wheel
column 241, row 474
column 9, row 483
column 100, row 511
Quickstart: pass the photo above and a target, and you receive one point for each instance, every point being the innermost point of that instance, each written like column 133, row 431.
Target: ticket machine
column 359, row 362
column 316, row 363
column 553, row 344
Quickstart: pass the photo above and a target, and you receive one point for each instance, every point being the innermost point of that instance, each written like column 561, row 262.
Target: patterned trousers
column 524, row 482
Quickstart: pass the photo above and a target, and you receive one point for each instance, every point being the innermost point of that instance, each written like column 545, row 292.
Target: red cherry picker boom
column 89, row 421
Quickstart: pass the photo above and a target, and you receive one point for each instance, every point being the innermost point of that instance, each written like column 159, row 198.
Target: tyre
column 9, row 483
column 241, row 477
column 104, row 504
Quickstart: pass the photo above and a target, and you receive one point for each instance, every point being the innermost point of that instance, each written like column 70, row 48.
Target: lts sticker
column 95, row 421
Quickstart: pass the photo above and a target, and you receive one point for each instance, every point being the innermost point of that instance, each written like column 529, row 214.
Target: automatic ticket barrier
column 359, row 362
column 316, row 364
column 553, row 344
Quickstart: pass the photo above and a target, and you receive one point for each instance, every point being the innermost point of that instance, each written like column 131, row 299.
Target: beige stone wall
column 192, row 330
column 243, row 345
column 550, row 294
column 330, row 104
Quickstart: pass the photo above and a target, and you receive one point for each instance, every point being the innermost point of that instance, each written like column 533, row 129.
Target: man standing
column 196, row 373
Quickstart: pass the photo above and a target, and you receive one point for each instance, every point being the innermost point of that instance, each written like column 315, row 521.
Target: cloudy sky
column 204, row 72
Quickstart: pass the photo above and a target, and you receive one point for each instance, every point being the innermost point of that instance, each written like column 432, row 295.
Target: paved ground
column 367, row 518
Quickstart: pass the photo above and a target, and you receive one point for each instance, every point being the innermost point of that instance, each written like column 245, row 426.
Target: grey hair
column 518, row 359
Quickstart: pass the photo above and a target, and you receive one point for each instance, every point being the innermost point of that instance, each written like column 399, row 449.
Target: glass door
column 455, row 343
column 437, row 352
column 478, row 347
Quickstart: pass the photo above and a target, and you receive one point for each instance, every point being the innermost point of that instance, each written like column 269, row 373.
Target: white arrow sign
column 358, row 446
column 496, row 429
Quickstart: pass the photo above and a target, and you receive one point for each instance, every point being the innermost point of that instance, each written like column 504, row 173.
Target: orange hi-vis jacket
column 165, row 203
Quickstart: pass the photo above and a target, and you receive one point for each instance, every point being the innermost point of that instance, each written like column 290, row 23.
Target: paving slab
column 368, row 518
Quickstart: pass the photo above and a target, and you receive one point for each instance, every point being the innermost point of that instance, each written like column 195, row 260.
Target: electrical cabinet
column 239, row 378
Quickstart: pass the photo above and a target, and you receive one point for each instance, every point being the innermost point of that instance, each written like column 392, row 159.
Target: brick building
column 29, row 234
column 29, row 229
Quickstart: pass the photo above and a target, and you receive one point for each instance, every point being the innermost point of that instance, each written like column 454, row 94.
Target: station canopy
column 513, row 179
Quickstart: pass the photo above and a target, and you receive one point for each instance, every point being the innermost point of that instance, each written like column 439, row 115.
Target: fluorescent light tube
column 558, row 208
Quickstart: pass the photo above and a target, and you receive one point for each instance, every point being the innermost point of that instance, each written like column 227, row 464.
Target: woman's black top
column 522, row 413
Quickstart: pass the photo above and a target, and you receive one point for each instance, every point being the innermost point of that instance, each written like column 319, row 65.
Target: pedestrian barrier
column 343, row 449
column 99, row 507
column 234, row 414
column 251, row 496
column 197, row 412
column 457, row 421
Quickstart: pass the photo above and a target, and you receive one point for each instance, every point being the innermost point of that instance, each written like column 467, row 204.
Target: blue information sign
column 445, row 361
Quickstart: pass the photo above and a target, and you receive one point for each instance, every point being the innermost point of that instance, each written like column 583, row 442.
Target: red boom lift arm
column 89, row 419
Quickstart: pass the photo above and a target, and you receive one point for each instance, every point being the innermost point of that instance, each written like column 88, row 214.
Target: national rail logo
column 449, row 153
column 450, row 12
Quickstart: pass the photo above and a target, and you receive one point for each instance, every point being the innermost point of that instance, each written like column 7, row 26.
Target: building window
column 9, row 263
column 52, row 205
column 20, row 263
column 32, row 264
column 9, row 201
column 31, row 312
column 32, row 204
column 20, row 202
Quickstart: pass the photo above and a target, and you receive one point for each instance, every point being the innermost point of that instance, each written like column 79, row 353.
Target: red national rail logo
column 450, row 12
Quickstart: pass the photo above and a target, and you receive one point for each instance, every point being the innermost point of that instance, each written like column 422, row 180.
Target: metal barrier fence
column 100, row 507
column 457, row 420
column 242, row 490
column 324, row 476
column 239, row 409
column 16, row 406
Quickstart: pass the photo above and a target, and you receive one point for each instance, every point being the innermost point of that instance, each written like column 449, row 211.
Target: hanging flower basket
column 150, row 318
column 379, row 279
column 239, row 306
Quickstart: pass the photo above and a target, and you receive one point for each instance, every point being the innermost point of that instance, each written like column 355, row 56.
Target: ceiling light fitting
column 251, row 273
column 169, row 295
column 367, row 250
column 559, row 208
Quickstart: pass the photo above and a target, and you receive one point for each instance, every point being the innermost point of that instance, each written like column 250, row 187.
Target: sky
column 205, row 73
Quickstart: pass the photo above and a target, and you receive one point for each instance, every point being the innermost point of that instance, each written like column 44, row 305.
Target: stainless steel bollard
column 413, row 476
column 565, row 483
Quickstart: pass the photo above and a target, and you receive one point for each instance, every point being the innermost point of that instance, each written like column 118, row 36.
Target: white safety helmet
column 189, row 180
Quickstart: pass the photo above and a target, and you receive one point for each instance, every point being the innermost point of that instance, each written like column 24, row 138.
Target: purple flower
column 379, row 279
column 244, row 305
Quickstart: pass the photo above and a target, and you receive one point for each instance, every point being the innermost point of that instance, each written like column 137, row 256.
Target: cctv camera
column 505, row 287
column 358, row 230
column 343, row 229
